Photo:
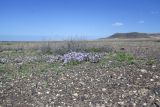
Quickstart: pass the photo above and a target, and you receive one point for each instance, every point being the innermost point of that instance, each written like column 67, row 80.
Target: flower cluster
column 75, row 56
column 79, row 56
column 66, row 58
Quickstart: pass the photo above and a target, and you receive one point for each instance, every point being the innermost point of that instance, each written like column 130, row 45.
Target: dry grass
column 137, row 47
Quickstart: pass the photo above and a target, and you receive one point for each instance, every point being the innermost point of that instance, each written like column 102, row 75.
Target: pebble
column 151, row 79
column 154, row 66
column 39, row 93
column 121, row 103
column 104, row 89
column 57, row 95
column 47, row 92
column 75, row 94
column 143, row 71
column 144, row 104
column 134, row 104
column 110, row 61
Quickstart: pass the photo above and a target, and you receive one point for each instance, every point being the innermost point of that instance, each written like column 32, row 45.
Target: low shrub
column 65, row 47
column 92, row 49
column 46, row 48
column 73, row 62
column 60, row 51
column 124, row 57
column 150, row 62
column 105, row 48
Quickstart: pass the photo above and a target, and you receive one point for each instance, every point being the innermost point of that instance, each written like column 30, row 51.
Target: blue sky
column 85, row 19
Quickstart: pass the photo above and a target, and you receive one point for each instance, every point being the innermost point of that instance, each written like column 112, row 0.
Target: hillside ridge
column 134, row 35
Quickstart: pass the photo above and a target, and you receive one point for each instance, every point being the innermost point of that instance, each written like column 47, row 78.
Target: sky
column 30, row 20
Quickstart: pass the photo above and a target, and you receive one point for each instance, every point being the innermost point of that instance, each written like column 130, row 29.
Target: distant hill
column 133, row 35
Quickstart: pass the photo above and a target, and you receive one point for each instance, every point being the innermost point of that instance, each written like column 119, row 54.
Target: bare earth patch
column 86, row 84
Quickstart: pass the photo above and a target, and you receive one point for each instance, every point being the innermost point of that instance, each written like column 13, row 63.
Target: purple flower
column 79, row 56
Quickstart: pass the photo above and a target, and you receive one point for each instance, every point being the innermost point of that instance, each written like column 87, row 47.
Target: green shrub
column 2, row 68
column 120, row 57
column 105, row 48
column 73, row 62
column 124, row 57
column 92, row 49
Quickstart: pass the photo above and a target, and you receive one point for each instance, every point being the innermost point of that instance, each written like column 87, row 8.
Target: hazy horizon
column 34, row 20
column 55, row 38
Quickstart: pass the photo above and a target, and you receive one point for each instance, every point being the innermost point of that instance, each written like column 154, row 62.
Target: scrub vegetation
column 112, row 72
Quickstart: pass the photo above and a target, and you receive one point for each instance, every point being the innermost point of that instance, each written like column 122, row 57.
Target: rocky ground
column 103, row 84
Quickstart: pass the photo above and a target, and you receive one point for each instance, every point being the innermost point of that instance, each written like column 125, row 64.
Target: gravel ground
column 85, row 85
